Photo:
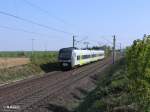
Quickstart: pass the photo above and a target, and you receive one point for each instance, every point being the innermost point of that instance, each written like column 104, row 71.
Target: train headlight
column 65, row 64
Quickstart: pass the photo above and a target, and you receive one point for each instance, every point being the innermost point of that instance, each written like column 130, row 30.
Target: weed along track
column 26, row 94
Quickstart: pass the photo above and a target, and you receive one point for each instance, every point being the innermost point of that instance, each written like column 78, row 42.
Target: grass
column 111, row 94
column 19, row 73
column 39, row 58
column 40, row 62
column 27, row 54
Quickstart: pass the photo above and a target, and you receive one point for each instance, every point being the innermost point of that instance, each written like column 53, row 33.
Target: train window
column 101, row 54
column 93, row 55
column 85, row 56
column 78, row 57
column 65, row 54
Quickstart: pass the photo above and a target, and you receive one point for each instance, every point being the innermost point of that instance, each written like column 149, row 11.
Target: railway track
column 23, row 96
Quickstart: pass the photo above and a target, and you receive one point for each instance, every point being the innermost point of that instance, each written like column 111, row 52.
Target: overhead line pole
column 120, row 50
column 114, row 45
column 87, row 44
column 73, row 42
column 33, row 46
column 45, row 47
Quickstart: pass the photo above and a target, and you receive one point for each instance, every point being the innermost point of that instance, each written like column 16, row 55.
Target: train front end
column 65, row 58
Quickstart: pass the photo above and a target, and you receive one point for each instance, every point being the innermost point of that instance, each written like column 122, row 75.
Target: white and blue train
column 71, row 57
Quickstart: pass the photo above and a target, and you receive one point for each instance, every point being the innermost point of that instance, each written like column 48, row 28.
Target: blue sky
column 96, row 19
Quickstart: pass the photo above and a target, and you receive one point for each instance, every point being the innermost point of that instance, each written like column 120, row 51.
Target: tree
column 138, row 67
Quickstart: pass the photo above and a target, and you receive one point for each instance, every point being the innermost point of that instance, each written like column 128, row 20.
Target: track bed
column 29, row 94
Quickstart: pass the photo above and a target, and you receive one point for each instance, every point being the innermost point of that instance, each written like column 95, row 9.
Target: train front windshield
column 64, row 55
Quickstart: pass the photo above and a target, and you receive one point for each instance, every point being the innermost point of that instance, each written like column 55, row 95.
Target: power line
column 87, row 44
column 81, row 41
column 45, row 11
column 35, row 23
column 85, row 38
column 117, row 44
column 102, row 43
column 107, row 40
column 98, row 42
column 22, row 30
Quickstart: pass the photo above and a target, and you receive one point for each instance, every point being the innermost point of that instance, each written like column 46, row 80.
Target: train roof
column 70, row 49
column 89, row 51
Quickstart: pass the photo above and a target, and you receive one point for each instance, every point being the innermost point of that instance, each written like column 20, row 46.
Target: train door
column 73, row 59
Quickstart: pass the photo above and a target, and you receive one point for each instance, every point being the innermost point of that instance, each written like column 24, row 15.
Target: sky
column 93, row 21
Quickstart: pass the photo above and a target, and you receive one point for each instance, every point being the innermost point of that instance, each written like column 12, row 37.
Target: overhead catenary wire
column 45, row 11
column 22, row 30
column 118, row 45
column 38, row 24
column 35, row 23
column 98, row 42
column 107, row 40
column 81, row 41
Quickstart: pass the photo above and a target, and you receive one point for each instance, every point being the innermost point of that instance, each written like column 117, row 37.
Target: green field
column 24, row 53
column 36, row 57
column 40, row 62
